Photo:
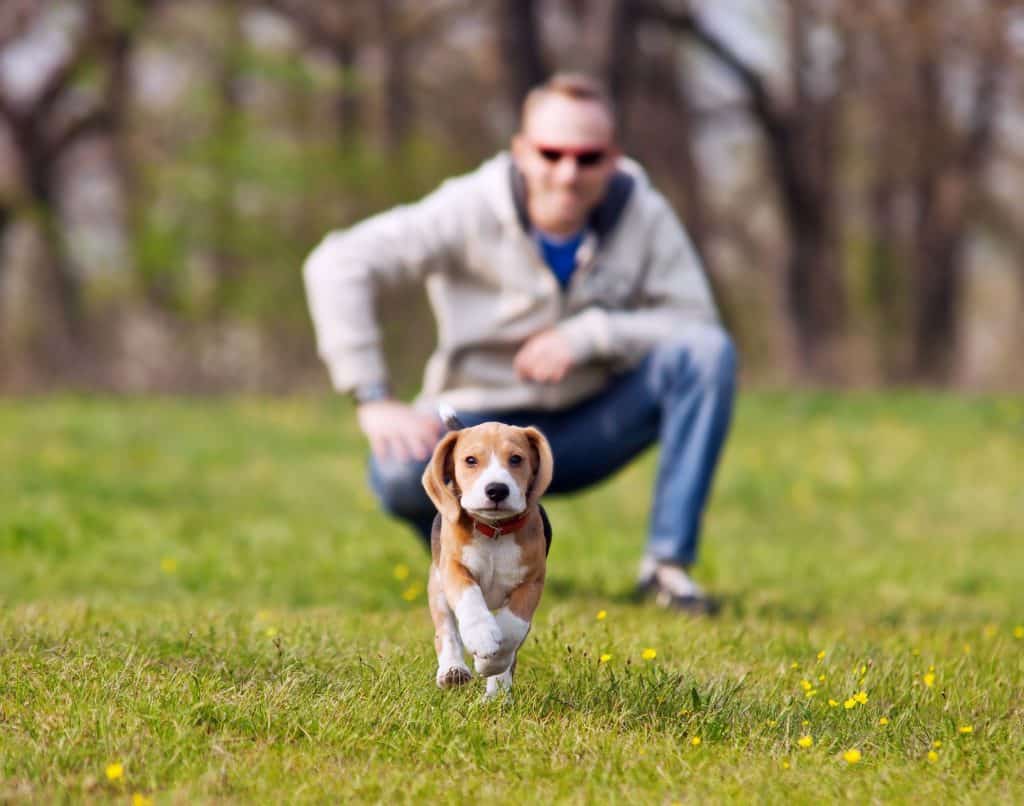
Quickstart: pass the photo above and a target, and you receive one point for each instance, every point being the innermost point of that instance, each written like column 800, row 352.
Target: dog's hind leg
column 451, row 665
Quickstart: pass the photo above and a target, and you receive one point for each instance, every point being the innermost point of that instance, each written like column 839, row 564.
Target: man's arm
column 343, row 275
column 674, row 292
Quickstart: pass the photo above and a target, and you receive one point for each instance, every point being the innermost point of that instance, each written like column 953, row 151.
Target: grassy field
column 200, row 603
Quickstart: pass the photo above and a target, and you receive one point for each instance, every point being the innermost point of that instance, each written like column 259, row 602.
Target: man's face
column 566, row 153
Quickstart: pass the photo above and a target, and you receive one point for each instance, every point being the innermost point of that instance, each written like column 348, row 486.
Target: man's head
column 566, row 151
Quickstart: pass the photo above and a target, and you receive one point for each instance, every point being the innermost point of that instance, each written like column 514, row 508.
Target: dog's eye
column 515, row 459
column 470, row 460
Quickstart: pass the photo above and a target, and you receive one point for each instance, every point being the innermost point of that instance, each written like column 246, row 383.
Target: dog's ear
column 439, row 471
column 543, row 465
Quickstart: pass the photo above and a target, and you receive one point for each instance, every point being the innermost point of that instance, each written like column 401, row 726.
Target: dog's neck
column 498, row 528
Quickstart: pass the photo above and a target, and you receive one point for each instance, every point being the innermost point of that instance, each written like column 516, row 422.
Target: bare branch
column 94, row 121
column 687, row 22
column 977, row 144
column 58, row 82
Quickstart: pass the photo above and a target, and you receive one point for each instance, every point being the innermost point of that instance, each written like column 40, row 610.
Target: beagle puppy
column 488, row 547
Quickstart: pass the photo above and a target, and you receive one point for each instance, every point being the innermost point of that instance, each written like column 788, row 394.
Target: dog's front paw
column 455, row 675
column 483, row 637
column 490, row 666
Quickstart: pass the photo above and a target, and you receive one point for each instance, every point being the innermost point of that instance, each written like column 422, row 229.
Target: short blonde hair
column 576, row 86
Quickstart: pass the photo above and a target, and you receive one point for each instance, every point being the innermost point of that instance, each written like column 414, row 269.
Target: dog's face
column 493, row 471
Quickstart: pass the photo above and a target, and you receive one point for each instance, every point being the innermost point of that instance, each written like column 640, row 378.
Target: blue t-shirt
column 560, row 254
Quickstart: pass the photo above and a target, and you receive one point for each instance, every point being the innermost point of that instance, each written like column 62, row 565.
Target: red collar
column 499, row 529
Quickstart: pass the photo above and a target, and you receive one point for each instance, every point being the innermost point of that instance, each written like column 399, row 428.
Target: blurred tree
column 227, row 133
column 800, row 134
column 938, row 69
column 951, row 168
column 82, row 95
column 521, row 49
column 336, row 29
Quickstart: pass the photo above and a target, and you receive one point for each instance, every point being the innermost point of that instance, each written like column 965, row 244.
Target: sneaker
column 672, row 588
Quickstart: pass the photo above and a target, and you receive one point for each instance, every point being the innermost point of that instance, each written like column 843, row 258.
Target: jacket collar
column 603, row 218
column 496, row 530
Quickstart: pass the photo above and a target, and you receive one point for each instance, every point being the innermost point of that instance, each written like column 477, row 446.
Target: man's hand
column 397, row 431
column 546, row 357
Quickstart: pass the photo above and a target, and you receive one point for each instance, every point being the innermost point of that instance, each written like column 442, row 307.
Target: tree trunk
column 228, row 127
column 396, row 104
column 521, row 50
column 950, row 172
column 348, row 102
column 801, row 142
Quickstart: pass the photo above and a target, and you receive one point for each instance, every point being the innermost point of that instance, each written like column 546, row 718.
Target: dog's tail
column 449, row 418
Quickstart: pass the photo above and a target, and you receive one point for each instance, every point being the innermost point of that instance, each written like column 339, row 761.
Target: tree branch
column 687, row 22
column 91, row 122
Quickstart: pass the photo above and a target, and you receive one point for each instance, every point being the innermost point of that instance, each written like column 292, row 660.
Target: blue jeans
column 680, row 395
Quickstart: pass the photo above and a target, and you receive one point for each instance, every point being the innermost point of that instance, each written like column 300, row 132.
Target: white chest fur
column 496, row 565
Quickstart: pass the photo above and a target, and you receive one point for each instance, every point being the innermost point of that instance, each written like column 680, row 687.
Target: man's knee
column 702, row 354
column 399, row 488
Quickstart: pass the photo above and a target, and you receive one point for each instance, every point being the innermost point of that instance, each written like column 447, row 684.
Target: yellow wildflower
column 605, row 657
column 602, row 615
column 967, row 649
column 850, row 703
column 785, row 764
column 771, row 723
column 805, row 723
column 168, row 565
column 138, row 799
column 937, row 743
column 852, row 756
column 822, row 678
column 270, row 632
column 861, row 697
column 967, row 729
column 410, row 593
column 933, row 756
column 115, row 772
column 929, row 679
column 401, row 572
column 833, row 703
column 649, row 654
column 794, row 665
column 883, row 721
column 806, row 685
column 805, row 741
column 811, row 692
column 821, row 655
column 695, row 741
column 1018, row 631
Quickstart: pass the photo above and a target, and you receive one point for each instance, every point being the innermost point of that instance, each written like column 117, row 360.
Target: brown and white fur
column 485, row 583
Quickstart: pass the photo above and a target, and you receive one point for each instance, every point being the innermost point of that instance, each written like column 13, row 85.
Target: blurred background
column 851, row 172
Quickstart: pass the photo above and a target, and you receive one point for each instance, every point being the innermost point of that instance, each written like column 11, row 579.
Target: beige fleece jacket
column 490, row 290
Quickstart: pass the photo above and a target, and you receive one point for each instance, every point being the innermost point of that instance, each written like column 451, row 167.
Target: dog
column 488, row 546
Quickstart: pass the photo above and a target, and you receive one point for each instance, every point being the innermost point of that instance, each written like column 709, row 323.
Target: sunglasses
column 585, row 157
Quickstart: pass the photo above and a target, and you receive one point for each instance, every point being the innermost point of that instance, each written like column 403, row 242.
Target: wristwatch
column 371, row 392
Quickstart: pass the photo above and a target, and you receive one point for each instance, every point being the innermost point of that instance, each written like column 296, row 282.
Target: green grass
column 204, row 593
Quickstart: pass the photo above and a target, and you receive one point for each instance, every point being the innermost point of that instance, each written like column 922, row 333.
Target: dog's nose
column 496, row 491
